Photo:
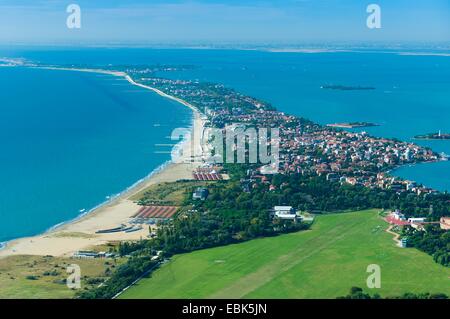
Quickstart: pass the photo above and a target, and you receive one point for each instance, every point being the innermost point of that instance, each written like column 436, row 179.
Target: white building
column 398, row 215
column 285, row 212
column 403, row 243
column 417, row 220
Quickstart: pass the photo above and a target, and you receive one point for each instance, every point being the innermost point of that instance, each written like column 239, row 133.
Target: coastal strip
column 352, row 125
column 125, row 76
column 58, row 241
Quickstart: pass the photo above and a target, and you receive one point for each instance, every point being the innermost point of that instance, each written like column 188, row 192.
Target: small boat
column 112, row 230
column 133, row 229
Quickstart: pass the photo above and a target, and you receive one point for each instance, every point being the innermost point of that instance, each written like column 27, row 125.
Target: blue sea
column 70, row 139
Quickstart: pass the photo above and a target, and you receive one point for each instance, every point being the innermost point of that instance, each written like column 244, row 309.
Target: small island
column 346, row 88
column 433, row 136
column 352, row 124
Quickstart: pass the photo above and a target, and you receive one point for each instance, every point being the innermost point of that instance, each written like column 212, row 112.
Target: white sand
column 81, row 234
column 424, row 54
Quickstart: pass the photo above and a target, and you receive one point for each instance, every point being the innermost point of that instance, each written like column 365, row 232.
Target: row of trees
column 314, row 193
column 124, row 276
column 358, row 293
column 434, row 241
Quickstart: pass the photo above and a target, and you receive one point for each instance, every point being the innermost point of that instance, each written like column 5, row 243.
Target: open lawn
column 323, row 262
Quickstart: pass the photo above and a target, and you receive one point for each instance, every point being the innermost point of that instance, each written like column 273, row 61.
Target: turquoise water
column 70, row 139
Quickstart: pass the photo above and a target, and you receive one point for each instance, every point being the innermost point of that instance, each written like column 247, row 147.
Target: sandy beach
column 80, row 234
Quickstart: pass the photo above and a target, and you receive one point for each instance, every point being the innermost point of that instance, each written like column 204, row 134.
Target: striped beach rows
column 207, row 176
column 156, row 212
column 207, row 169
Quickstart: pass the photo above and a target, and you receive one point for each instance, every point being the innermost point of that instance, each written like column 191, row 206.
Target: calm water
column 70, row 139
column 412, row 93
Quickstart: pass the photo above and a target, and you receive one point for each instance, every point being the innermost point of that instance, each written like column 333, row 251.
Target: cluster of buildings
column 305, row 147
column 212, row 99
column 285, row 213
column 88, row 254
column 289, row 213
column 348, row 157
column 399, row 219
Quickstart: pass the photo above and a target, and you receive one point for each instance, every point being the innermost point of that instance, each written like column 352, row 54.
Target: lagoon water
column 70, row 139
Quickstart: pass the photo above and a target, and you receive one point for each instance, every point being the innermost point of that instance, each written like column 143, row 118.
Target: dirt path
column 396, row 236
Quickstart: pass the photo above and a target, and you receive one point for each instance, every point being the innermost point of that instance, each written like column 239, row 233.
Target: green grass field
column 323, row 262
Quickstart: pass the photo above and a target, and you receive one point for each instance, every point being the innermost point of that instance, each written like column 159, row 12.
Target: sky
column 223, row 21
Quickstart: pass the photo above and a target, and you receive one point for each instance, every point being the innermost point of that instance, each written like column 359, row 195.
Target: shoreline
column 111, row 200
column 394, row 171
column 79, row 233
column 121, row 199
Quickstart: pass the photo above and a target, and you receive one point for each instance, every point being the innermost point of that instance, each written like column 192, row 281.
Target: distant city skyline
column 215, row 21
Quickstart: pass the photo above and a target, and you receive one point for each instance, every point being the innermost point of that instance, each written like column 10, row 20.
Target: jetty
column 352, row 124
column 433, row 136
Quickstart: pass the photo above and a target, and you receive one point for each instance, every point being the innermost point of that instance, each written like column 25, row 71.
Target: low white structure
column 200, row 193
column 86, row 254
column 398, row 215
column 417, row 220
column 285, row 212
column 403, row 243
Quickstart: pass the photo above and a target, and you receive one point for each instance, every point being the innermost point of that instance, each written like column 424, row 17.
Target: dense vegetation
column 231, row 215
column 121, row 278
column 314, row 193
column 215, row 222
column 433, row 241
